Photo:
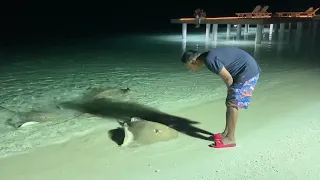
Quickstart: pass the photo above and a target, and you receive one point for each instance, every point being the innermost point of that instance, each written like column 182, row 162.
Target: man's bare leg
column 225, row 132
column 228, row 136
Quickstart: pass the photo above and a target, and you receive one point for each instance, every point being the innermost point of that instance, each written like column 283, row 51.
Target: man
column 239, row 71
column 199, row 14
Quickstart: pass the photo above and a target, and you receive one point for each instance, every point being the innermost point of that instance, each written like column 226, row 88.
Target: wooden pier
column 240, row 21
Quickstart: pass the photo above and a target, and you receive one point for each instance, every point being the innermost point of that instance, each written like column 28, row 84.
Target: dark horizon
column 25, row 20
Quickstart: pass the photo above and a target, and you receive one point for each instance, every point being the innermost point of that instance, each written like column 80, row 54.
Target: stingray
column 141, row 132
column 100, row 92
column 21, row 119
column 93, row 93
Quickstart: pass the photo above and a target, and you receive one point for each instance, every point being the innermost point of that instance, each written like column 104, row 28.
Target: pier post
column 282, row 26
column 207, row 44
column 271, row 29
column 298, row 36
column 289, row 26
column 208, row 30
column 276, row 27
column 246, row 28
column 239, row 31
column 184, row 46
column 279, row 48
column 289, row 31
column 270, row 32
column 259, row 33
column 281, row 36
column 309, row 27
column 299, row 27
column 257, row 48
column 214, row 32
column 184, row 31
column 228, row 29
column 281, row 31
column 314, row 29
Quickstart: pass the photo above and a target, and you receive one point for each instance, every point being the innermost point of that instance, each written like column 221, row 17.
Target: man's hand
column 226, row 77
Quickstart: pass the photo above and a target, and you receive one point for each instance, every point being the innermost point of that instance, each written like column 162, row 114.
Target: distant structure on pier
column 261, row 12
column 308, row 13
column 258, row 12
column 259, row 17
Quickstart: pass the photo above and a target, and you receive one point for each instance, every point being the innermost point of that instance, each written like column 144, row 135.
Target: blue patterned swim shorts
column 239, row 95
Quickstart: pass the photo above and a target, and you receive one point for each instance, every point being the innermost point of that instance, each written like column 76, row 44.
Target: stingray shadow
column 125, row 110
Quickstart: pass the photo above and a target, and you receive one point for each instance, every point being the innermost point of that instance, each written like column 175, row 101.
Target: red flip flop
column 219, row 144
column 216, row 137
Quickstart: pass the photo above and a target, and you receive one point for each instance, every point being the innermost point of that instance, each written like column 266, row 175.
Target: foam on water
column 149, row 65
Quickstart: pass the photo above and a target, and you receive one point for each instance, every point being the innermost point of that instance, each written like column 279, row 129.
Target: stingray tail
column 13, row 124
column 12, row 118
column 128, row 138
column 6, row 109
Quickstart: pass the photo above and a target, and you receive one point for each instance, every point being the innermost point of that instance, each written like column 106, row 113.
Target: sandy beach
column 277, row 138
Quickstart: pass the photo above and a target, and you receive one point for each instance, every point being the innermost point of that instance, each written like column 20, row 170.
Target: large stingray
column 141, row 132
column 21, row 119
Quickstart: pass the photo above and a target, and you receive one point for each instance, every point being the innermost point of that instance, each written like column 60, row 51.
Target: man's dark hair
column 189, row 55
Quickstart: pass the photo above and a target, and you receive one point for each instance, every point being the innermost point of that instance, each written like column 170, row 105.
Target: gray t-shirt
column 240, row 64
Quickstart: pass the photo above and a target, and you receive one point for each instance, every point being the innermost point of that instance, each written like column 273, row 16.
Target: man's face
column 193, row 65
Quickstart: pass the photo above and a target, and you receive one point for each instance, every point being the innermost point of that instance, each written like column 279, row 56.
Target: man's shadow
column 124, row 111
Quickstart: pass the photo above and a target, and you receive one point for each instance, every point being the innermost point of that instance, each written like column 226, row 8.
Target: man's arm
column 226, row 77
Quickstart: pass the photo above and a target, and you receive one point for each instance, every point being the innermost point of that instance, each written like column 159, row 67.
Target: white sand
column 278, row 138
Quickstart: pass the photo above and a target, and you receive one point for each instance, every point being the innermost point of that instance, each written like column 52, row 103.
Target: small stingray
column 95, row 92
column 141, row 132
column 21, row 119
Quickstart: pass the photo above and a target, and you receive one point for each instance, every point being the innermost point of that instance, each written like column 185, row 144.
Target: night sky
column 47, row 19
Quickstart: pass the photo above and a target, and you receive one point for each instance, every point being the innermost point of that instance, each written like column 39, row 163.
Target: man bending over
column 239, row 71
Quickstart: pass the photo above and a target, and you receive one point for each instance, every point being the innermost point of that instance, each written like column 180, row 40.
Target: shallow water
column 41, row 76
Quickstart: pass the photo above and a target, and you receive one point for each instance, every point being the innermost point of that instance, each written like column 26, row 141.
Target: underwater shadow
column 124, row 111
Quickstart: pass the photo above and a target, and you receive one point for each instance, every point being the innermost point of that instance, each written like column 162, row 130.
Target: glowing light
column 237, row 18
column 187, row 19
column 223, row 18
column 290, row 16
column 305, row 16
column 217, row 18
